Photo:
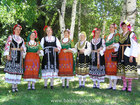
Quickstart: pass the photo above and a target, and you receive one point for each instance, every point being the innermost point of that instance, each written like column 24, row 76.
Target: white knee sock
column 45, row 82
column 67, row 82
column 84, row 79
column 94, row 82
column 115, row 82
column 52, row 80
column 80, row 79
column 110, row 83
column 98, row 85
column 29, row 84
column 33, row 85
column 63, row 82
column 13, row 86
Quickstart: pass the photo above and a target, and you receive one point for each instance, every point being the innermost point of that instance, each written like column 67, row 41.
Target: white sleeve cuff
column 6, row 53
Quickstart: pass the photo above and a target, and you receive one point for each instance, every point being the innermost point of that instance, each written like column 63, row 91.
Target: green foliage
column 35, row 14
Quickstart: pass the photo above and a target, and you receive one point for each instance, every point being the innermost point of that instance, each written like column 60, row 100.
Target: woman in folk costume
column 14, row 53
column 83, row 49
column 32, row 60
column 112, row 46
column 51, row 47
column 66, row 64
column 97, row 65
column 127, row 66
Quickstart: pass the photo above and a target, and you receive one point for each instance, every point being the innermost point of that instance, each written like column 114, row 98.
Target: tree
column 62, row 17
column 73, row 18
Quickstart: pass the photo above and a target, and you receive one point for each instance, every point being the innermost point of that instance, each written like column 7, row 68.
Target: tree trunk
column 123, row 16
column 61, row 18
column 73, row 18
column 131, row 12
column 79, row 18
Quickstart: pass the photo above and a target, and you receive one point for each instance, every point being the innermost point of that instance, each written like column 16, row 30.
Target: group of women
column 113, row 56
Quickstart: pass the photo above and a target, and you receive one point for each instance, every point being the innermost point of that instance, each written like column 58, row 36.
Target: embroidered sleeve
column 116, row 44
column 39, row 46
column 105, row 37
column 117, row 36
column 134, row 45
column 7, row 46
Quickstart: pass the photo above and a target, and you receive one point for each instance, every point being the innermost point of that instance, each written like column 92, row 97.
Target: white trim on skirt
column 49, row 75
column 13, row 78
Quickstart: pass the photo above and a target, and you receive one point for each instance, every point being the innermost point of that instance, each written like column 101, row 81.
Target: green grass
column 71, row 96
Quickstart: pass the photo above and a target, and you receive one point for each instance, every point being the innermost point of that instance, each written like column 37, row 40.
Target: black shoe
column 83, row 86
column 45, row 87
column 80, row 87
column 63, row 86
column 126, row 88
column 16, row 89
column 128, row 91
column 67, row 87
column 109, row 88
column 94, row 86
column 51, row 87
column 33, row 88
column 29, row 88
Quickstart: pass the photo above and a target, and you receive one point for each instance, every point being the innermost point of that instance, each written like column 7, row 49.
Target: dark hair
column 67, row 31
column 123, row 23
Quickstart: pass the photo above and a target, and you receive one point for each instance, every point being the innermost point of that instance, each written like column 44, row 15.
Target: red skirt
column 65, row 63
column 32, row 66
column 110, row 66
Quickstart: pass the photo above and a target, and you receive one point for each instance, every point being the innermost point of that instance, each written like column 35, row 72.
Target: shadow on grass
column 73, row 95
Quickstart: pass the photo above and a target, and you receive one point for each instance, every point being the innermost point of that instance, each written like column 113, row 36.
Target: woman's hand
column 130, row 59
column 99, row 49
column 38, row 52
column 67, row 51
column 56, row 50
column 21, row 49
column 110, row 47
column 8, row 58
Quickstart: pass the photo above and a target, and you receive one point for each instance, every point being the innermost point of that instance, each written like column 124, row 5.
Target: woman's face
column 124, row 28
column 66, row 34
column 49, row 31
column 17, row 30
column 82, row 37
column 112, row 28
column 97, row 34
column 32, row 36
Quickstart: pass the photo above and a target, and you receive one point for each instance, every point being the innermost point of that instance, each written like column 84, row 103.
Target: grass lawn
column 71, row 96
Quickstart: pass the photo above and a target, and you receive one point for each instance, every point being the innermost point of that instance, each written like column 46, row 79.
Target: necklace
column 123, row 37
column 65, row 42
column 81, row 46
column 96, row 41
column 32, row 43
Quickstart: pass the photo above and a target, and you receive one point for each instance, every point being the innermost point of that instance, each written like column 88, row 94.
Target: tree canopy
column 35, row 14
